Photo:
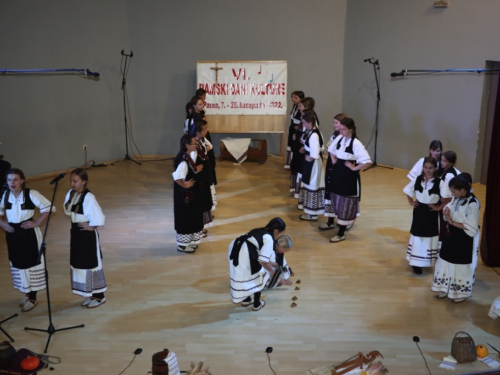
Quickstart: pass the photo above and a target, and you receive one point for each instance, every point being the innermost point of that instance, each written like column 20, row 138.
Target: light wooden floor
column 358, row 295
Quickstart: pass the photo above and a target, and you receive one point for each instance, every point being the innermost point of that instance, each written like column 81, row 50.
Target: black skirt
column 22, row 246
column 458, row 247
column 83, row 248
column 425, row 221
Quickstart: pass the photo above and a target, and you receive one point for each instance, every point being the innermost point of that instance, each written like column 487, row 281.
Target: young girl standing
column 23, row 236
column 448, row 160
column 188, row 214
column 330, row 224
column 297, row 96
column 313, row 179
column 454, row 272
column 348, row 156
column 435, row 149
column 424, row 240
column 87, row 275
column 304, row 105
column 204, row 177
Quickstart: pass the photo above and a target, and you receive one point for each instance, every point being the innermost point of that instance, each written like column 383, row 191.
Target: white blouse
column 467, row 214
column 360, row 155
column 314, row 147
column 424, row 196
column 92, row 212
column 16, row 215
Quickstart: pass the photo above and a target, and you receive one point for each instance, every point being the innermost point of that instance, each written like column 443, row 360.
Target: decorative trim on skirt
column 422, row 251
column 89, row 281
column 455, row 279
column 345, row 209
column 30, row 279
column 188, row 239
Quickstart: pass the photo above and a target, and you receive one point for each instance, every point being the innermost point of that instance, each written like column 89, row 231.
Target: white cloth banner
column 244, row 88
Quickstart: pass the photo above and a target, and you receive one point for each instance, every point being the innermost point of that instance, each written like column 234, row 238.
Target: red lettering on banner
column 237, row 76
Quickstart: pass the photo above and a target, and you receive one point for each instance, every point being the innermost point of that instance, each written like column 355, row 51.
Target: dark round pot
column 7, row 353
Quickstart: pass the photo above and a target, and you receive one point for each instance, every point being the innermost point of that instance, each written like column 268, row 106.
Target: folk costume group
column 334, row 191
column 24, row 238
column 445, row 226
column 444, row 231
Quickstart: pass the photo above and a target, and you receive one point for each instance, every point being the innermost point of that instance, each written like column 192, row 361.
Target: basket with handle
column 463, row 349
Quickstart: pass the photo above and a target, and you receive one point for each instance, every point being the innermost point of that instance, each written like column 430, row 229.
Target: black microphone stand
column 1, row 329
column 51, row 330
column 124, row 67
column 377, row 78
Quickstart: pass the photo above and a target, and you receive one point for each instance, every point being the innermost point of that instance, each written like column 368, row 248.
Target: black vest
column 435, row 188
column 78, row 207
column 27, row 205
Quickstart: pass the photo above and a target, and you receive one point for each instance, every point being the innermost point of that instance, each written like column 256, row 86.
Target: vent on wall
column 441, row 3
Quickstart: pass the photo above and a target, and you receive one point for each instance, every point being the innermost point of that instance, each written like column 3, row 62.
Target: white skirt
column 242, row 282
column 422, row 251
column 30, row 279
column 454, row 279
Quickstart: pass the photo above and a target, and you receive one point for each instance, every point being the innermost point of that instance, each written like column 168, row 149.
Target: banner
column 244, row 87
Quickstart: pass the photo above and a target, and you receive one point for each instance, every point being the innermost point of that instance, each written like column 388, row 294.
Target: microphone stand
column 374, row 164
column 50, row 330
column 1, row 329
column 124, row 70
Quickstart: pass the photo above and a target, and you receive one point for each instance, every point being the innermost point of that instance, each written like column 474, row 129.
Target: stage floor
column 357, row 295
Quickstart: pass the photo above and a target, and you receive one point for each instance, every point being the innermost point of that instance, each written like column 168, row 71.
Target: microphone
column 89, row 73
column 58, row 178
column 5, row 187
column 368, row 59
column 401, row 73
column 416, row 339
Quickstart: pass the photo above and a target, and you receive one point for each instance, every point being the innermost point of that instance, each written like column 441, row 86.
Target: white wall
column 45, row 120
column 412, row 34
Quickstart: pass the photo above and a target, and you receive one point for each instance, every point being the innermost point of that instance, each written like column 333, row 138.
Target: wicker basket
column 463, row 349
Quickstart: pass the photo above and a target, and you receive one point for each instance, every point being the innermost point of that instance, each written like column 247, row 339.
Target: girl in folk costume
column 204, row 178
column 188, row 214
column 189, row 119
column 313, row 179
column 448, row 161
column 250, row 265
column 87, row 275
column 297, row 96
column 304, row 105
column 198, row 104
column 330, row 224
column 435, row 149
column 348, row 156
column 455, row 267
column 424, row 241
column 23, row 236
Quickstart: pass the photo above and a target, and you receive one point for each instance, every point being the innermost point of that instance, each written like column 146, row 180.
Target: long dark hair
column 276, row 223
column 436, row 144
column 301, row 96
column 462, row 181
column 185, row 140
column 349, row 124
column 84, row 176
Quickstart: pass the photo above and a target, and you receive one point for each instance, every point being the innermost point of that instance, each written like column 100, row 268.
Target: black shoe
column 417, row 270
